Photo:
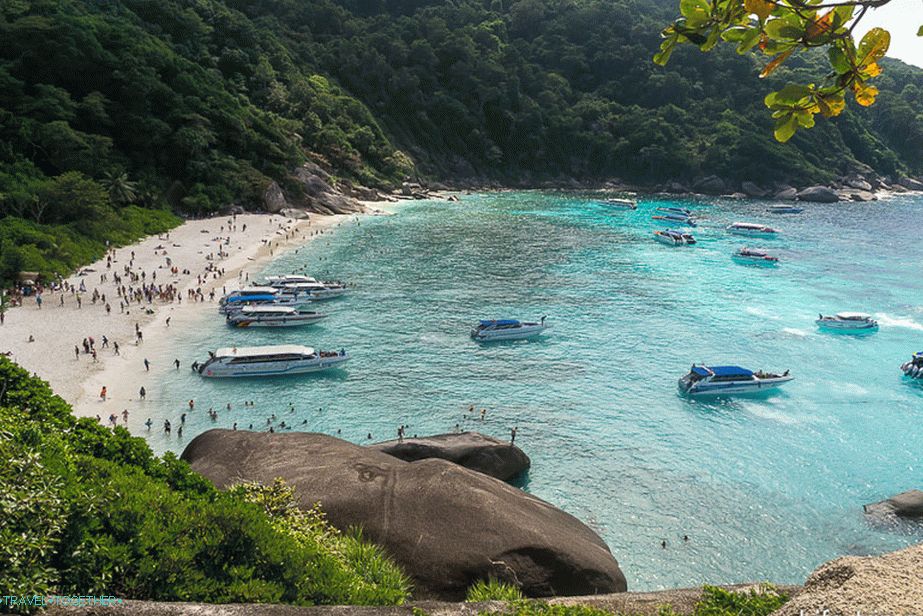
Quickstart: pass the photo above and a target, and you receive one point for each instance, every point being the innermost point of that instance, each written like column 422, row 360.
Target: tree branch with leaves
column 780, row 28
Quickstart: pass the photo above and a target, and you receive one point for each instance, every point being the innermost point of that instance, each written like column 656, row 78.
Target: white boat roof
column 751, row 225
column 257, row 351
column 258, row 290
column 291, row 278
column 272, row 308
column 852, row 315
column 304, row 285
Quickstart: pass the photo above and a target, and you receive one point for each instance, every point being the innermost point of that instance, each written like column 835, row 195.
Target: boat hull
column 496, row 336
column 242, row 322
column 841, row 326
column 217, row 371
column 754, row 233
column 912, row 371
column 755, row 261
column 735, row 388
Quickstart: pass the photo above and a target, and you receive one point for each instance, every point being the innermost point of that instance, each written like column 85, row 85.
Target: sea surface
column 765, row 488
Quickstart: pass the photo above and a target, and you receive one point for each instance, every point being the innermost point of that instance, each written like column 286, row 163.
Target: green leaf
column 749, row 41
column 839, row 61
column 696, row 12
column 785, row 127
column 791, row 94
column 920, row 31
column 781, row 29
column 873, row 46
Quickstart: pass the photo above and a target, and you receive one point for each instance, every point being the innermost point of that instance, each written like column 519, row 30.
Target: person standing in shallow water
column 513, row 431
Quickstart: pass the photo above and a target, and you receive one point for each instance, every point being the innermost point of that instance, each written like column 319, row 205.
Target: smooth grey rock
column 752, row 189
column 786, row 194
column 291, row 212
column 273, row 199
column 676, row 187
column 859, row 183
column 711, row 185
column 819, row 194
column 478, row 452
column 907, row 504
column 911, row 183
column 446, row 525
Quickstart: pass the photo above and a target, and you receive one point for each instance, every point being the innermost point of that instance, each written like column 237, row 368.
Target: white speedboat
column 784, row 209
column 626, row 204
column 750, row 256
column 268, row 361
column 728, row 380
column 675, row 218
column 914, row 367
column 671, row 237
column 250, row 294
column 507, row 329
column 847, row 321
column 312, row 290
column 751, row 229
column 676, row 210
column 232, row 304
column 272, row 315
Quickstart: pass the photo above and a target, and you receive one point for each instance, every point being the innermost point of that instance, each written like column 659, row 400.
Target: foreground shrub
column 492, row 590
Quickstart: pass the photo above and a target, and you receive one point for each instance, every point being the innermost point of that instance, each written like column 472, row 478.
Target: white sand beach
column 248, row 243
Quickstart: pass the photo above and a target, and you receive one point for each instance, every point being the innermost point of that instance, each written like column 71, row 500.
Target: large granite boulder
column 851, row 585
column 911, row 183
column 446, row 525
column 820, row 194
column 786, row 193
column 273, row 198
column 907, row 504
column 859, row 183
column 318, row 195
column 478, row 452
column 752, row 190
column 711, row 185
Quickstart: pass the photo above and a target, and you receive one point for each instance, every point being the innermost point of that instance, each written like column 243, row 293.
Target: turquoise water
column 765, row 488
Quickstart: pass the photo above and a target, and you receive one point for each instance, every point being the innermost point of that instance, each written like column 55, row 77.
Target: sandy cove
column 192, row 246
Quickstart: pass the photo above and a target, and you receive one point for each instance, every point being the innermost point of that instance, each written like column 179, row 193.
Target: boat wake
column 793, row 331
column 888, row 321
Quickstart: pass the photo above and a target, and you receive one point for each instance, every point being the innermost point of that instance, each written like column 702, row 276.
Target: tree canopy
column 780, row 28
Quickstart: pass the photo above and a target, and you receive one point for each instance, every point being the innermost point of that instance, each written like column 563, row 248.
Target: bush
column 492, row 590
column 92, row 511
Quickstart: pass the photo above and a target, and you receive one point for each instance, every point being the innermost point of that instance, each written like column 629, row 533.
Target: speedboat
column 749, row 256
column 250, row 294
column 671, row 237
column 752, row 230
column 272, row 315
column 627, row 204
column 680, row 219
column 268, row 361
column 847, row 321
column 313, row 289
column 726, row 380
column 676, row 210
column 507, row 329
column 784, row 209
column 914, row 367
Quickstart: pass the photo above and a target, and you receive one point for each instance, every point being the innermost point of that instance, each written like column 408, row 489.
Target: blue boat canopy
column 488, row 323
column 722, row 371
column 251, row 298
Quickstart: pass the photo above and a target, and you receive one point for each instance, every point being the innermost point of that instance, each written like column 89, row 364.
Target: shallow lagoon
column 765, row 488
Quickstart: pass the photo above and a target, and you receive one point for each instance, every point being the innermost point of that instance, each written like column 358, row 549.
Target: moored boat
column 784, row 209
column 276, row 360
column 272, row 315
column 847, row 321
column 312, row 289
column 671, row 237
column 627, row 204
column 914, row 367
column 507, row 329
column 729, row 380
column 751, row 256
column 750, row 229
column 678, row 219
column 676, row 210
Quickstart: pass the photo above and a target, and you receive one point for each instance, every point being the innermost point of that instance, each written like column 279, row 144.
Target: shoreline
column 191, row 247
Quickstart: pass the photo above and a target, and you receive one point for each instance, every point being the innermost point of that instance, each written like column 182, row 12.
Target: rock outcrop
column 819, row 194
column 889, row 584
column 478, row 452
column 907, row 504
column 786, row 193
column 711, row 185
column 911, row 183
column 273, row 199
column 752, row 190
column 446, row 525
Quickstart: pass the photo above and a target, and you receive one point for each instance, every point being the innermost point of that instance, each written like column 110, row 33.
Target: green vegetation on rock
column 89, row 511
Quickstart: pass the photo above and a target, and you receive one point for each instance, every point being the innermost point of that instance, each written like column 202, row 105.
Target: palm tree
column 121, row 190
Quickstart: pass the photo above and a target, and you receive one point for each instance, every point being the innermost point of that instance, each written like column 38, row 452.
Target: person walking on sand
column 176, row 363
column 102, row 393
column 95, row 357
column 147, row 365
column 125, row 415
column 115, row 347
column 77, row 351
column 142, row 393
column 148, row 423
column 168, row 321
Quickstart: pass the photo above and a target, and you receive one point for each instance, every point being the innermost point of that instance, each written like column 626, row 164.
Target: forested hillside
column 192, row 105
